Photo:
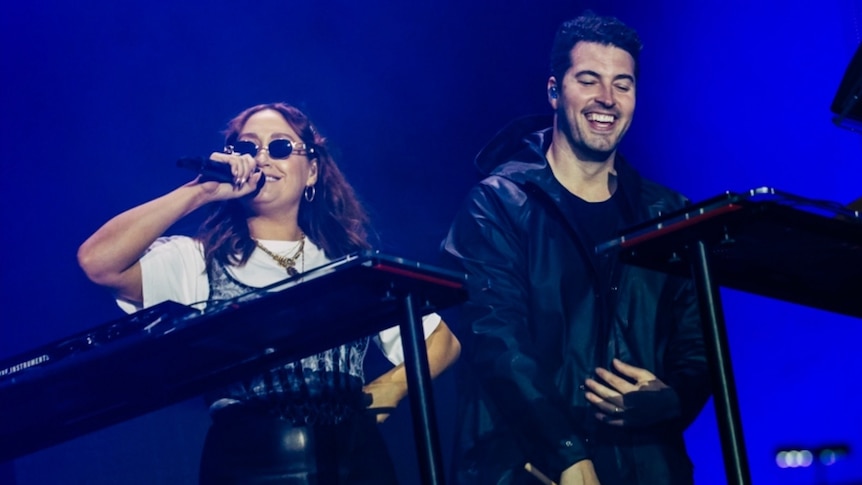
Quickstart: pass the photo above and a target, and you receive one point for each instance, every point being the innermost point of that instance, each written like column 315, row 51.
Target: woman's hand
column 390, row 388
column 246, row 177
column 385, row 395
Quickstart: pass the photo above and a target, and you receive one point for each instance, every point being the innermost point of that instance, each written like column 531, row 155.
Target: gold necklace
column 286, row 262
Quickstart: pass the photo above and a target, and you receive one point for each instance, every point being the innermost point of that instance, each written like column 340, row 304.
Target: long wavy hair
column 335, row 219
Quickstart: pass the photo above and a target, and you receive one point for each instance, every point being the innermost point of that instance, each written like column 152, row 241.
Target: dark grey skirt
column 244, row 446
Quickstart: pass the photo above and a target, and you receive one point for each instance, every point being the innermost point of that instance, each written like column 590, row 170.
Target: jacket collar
column 517, row 153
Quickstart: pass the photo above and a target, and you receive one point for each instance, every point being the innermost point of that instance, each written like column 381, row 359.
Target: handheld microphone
column 210, row 170
column 207, row 169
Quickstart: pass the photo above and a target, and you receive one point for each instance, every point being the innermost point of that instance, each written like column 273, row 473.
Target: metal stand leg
column 718, row 352
column 419, row 393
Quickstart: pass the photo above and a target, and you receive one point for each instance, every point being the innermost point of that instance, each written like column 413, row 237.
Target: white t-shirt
column 173, row 268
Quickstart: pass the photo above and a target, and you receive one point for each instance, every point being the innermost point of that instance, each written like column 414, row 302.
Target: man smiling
column 576, row 368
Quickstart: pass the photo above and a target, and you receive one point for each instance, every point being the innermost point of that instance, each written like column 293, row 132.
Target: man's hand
column 638, row 398
column 581, row 473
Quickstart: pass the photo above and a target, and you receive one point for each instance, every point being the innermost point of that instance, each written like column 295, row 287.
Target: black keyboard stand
column 170, row 352
column 764, row 242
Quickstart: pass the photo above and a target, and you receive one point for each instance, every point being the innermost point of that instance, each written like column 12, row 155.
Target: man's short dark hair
column 590, row 27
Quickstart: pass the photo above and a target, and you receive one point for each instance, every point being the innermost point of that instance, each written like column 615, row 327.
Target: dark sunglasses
column 277, row 149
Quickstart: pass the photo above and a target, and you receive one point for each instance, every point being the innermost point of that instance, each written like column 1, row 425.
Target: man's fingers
column 611, row 404
column 599, row 388
column 603, row 393
column 637, row 373
column 616, row 382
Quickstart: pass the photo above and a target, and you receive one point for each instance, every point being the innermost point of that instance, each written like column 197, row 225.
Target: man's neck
column 593, row 181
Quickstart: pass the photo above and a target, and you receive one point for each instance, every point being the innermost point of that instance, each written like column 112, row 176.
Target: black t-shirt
column 599, row 222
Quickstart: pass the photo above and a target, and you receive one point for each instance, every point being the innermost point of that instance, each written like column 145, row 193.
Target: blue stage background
column 98, row 100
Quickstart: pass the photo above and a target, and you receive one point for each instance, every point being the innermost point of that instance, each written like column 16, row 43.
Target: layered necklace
column 287, row 262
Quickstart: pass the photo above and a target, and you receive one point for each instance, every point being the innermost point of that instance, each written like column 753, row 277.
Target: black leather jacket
column 538, row 323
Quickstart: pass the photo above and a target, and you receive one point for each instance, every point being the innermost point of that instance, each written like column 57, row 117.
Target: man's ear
column 553, row 92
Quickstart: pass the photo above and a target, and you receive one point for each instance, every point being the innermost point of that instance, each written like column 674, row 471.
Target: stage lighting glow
column 829, row 455
column 794, row 459
column 798, row 457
